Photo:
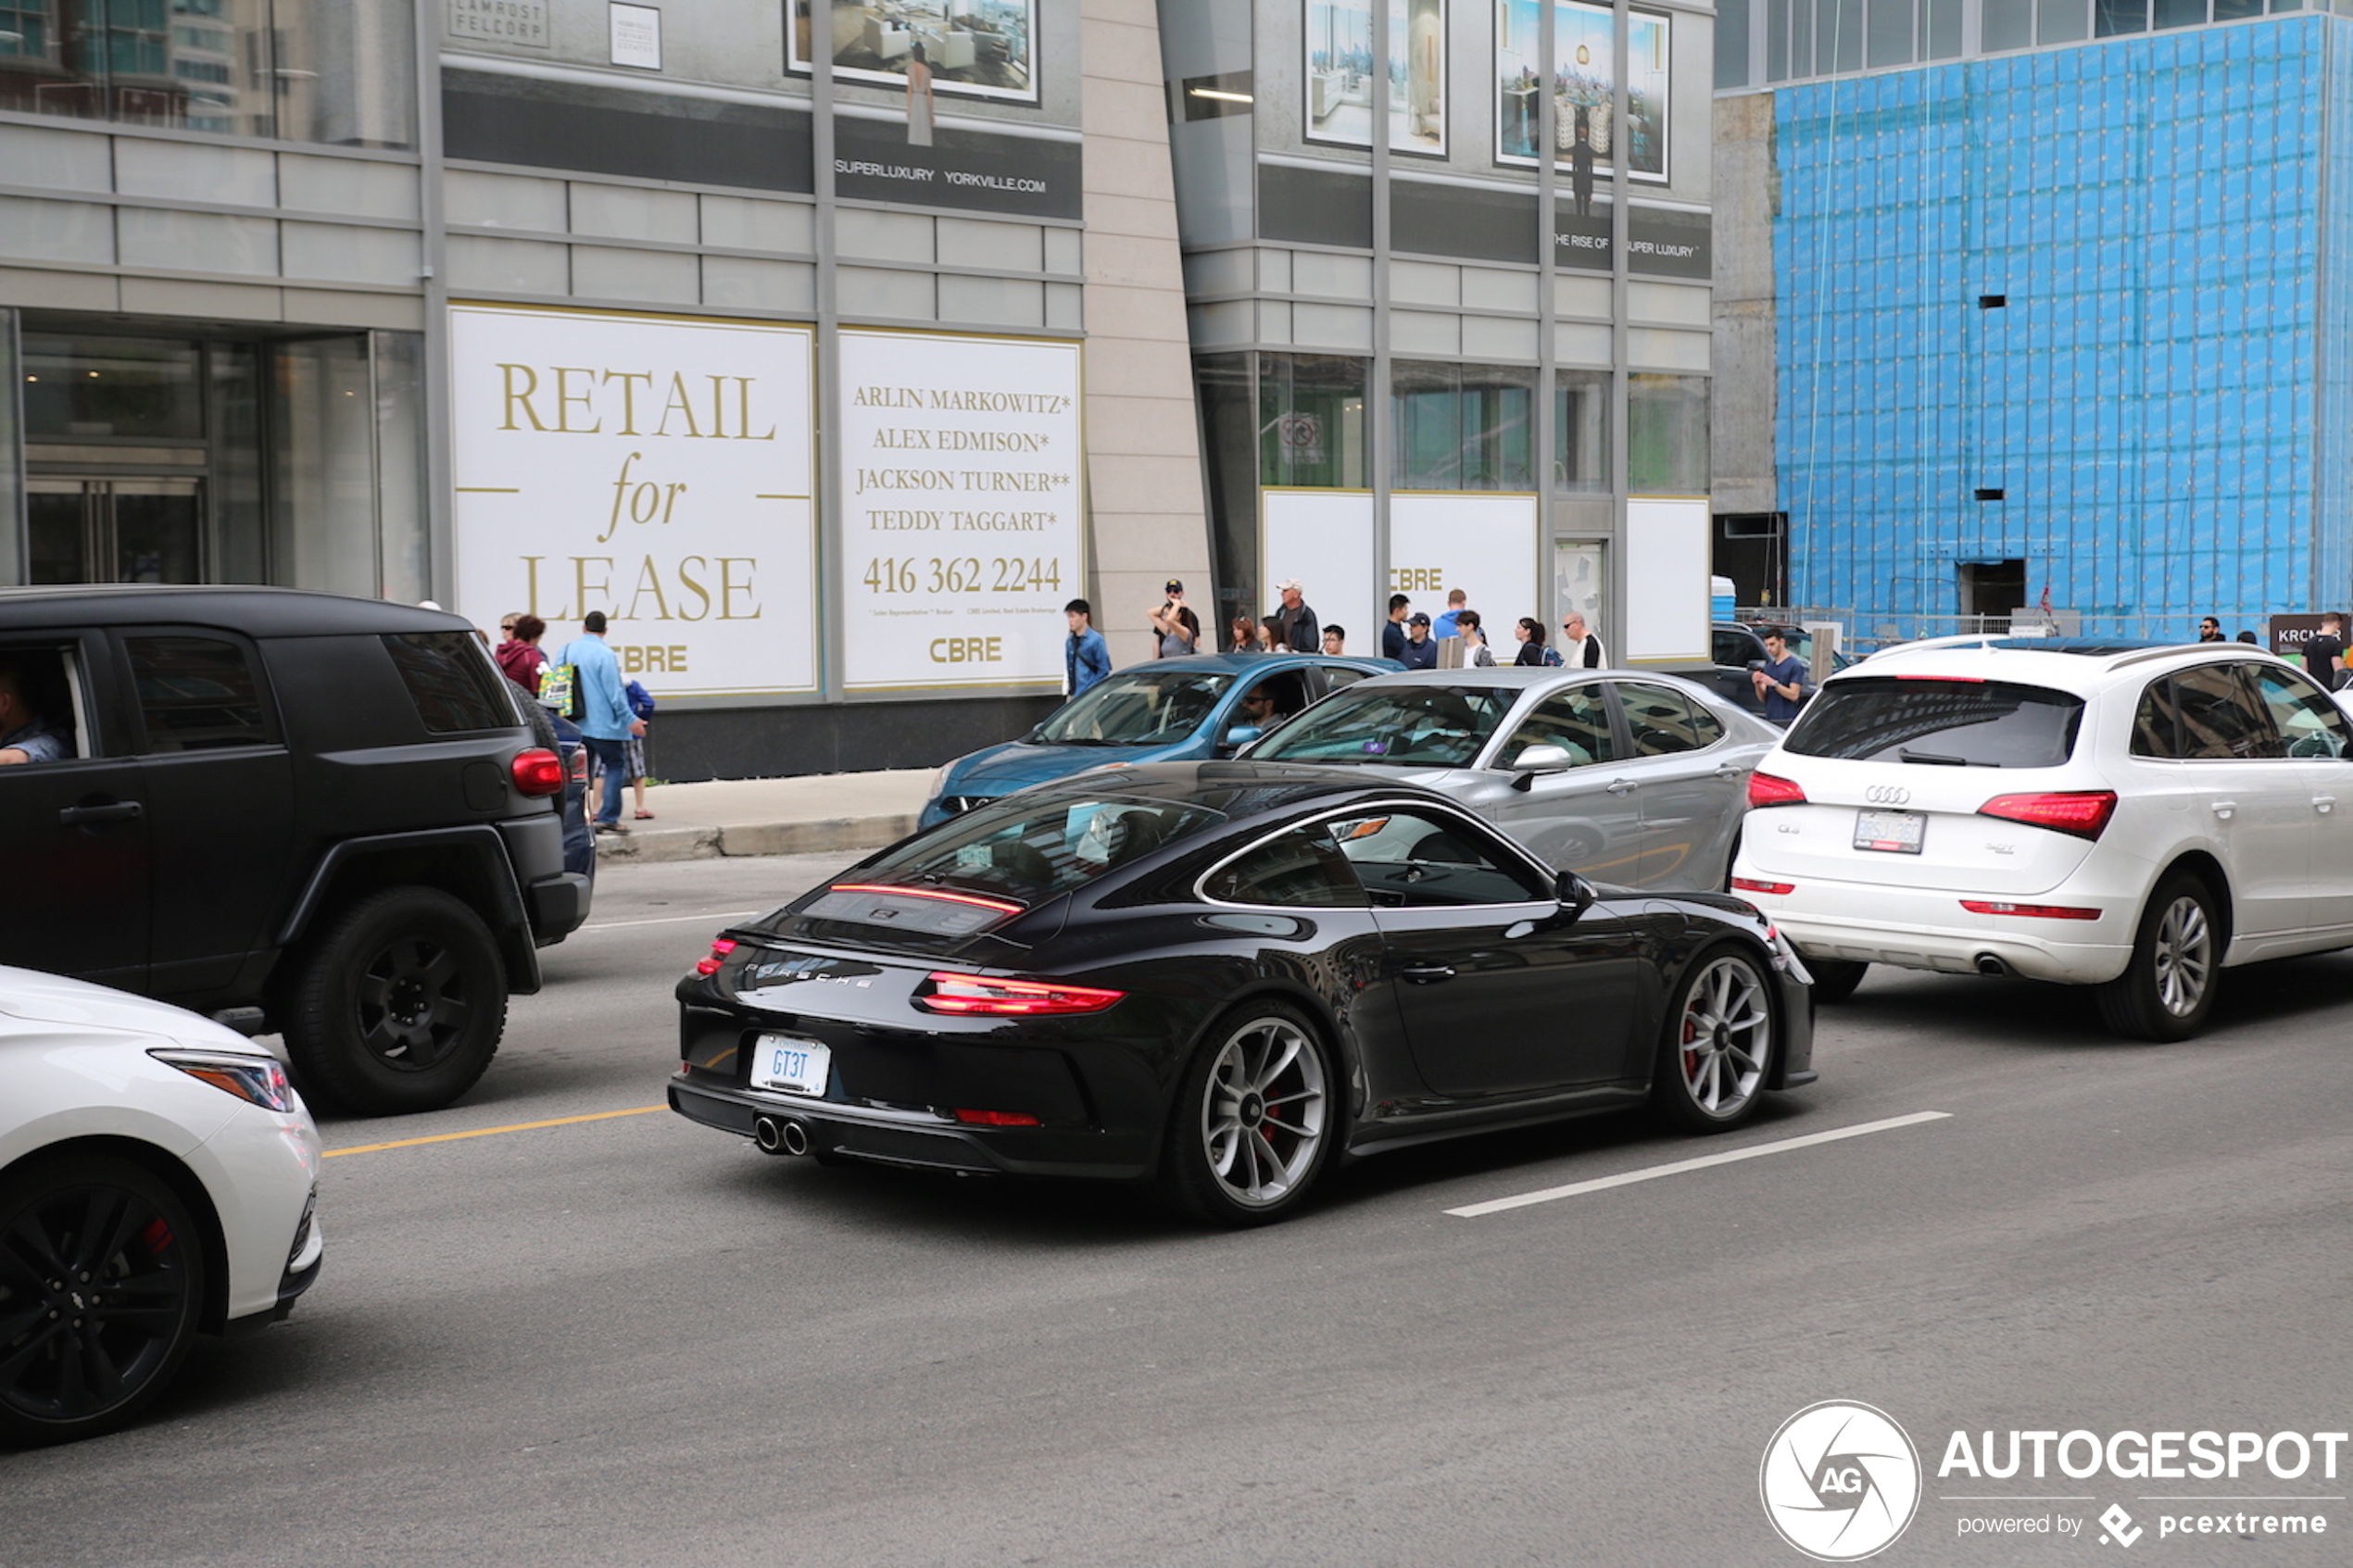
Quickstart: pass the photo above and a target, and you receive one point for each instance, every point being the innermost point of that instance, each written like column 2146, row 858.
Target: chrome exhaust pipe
column 766, row 1133
column 793, row 1133
column 1989, row 964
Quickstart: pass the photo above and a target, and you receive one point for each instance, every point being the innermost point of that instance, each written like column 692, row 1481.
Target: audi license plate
column 796, row 1066
column 1895, row 831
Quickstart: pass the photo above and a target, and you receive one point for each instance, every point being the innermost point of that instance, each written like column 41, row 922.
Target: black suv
column 328, row 816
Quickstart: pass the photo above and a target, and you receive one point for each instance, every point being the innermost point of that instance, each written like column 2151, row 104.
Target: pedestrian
column 641, row 703
column 1176, row 627
column 1780, row 679
column 1086, row 660
column 2247, row 638
column 1579, row 647
column 518, row 655
column 1295, row 624
column 1449, row 624
column 1336, row 639
column 606, row 721
column 1474, row 649
column 1531, row 633
column 1392, row 636
column 1421, row 648
column 2209, row 630
column 1244, row 634
column 2324, row 655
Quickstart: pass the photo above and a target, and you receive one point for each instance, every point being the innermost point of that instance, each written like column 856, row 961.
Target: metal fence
column 1864, row 631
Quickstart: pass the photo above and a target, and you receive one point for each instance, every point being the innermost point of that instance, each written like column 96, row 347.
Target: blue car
column 1189, row 709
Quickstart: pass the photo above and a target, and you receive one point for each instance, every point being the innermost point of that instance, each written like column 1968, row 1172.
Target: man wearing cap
column 1295, row 627
column 1175, row 624
column 1580, row 649
column 1421, row 648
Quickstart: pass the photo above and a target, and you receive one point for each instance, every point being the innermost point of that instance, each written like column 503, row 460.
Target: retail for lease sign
column 658, row 469
column 961, row 519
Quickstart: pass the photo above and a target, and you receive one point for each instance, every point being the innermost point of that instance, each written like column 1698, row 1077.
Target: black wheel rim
column 414, row 1004
column 93, row 1293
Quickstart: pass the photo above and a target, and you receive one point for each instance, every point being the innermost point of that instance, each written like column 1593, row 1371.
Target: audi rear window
column 1939, row 723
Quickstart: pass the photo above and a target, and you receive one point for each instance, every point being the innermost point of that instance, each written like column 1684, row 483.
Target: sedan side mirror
column 1576, row 895
column 1537, row 759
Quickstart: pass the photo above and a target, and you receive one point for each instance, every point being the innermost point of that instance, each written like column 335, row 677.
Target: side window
column 2155, row 730
column 197, row 694
column 1340, row 677
column 1407, row 859
column 44, row 720
column 1661, row 721
column 1303, row 868
column 1732, row 647
column 455, row 688
column 2220, row 716
column 1575, row 721
column 2309, row 724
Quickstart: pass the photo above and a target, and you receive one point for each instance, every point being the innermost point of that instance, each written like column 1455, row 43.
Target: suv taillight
column 1770, row 789
column 2083, row 813
column 578, row 766
column 537, row 771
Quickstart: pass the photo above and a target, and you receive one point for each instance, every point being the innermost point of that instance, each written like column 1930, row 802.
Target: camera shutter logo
column 1841, row 1481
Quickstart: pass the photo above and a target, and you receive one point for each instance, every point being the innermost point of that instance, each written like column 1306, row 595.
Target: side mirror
column 1539, row 759
column 1239, row 735
column 1576, row 895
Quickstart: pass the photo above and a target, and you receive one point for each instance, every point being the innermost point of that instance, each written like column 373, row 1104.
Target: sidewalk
column 694, row 822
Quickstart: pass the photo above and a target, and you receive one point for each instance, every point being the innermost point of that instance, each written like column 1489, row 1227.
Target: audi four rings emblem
column 1887, row 795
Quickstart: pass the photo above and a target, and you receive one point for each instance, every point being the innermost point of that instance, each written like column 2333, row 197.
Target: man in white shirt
column 1580, row 649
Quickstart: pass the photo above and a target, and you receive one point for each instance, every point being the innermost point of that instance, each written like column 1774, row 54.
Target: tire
column 1718, row 1044
column 1834, row 979
column 102, row 1285
column 2168, row 989
column 1264, row 1066
column 399, row 1005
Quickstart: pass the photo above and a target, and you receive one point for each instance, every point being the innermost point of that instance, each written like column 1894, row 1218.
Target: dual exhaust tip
column 781, row 1134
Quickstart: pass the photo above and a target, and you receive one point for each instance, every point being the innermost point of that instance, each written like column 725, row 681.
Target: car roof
column 260, row 612
column 2067, row 663
column 1237, row 789
column 1234, row 662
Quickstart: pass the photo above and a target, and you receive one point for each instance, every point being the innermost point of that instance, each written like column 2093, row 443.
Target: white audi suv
column 2131, row 818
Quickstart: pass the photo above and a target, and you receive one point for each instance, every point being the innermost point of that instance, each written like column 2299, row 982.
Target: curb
column 646, row 845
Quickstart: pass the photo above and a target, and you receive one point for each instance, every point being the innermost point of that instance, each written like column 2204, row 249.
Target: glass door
column 115, row 530
column 1580, row 583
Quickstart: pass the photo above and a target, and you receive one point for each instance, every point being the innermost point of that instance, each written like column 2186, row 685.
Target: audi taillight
column 537, row 771
column 1769, row 789
column 980, row 994
column 1750, row 884
column 719, row 951
column 2032, row 911
column 2083, row 813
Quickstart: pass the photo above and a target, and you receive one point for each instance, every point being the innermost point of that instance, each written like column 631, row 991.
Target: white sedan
column 157, row 1180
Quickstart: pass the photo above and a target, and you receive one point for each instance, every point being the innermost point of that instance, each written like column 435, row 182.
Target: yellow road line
column 486, row 1132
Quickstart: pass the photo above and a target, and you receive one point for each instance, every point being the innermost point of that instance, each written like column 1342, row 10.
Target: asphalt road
column 633, row 1341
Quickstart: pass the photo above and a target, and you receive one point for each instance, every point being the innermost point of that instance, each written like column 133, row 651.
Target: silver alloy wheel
column 1727, row 1039
column 1262, row 1113
column 2184, row 956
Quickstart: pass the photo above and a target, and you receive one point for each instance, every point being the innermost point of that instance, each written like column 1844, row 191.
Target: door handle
column 2324, row 804
column 91, row 816
column 2224, row 809
column 1426, row 974
column 1730, row 770
column 1621, row 786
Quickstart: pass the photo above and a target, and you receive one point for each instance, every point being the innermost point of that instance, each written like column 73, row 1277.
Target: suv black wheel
column 2168, row 989
column 398, row 1006
column 101, row 1279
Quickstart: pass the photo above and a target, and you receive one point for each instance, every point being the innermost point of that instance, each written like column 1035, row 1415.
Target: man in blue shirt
column 606, row 719
column 1420, row 651
column 1086, row 660
column 1780, row 684
column 1449, row 625
column 25, row 736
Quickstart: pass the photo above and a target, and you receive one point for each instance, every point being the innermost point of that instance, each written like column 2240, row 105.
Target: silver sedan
column 1629, row 778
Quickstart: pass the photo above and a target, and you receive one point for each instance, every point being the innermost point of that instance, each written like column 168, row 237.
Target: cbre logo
column 1841, row 1481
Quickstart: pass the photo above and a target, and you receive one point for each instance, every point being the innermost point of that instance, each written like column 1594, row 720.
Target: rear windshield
column 994, row 862
column 1939, row 723
column 1406, row 726
column 452, row 681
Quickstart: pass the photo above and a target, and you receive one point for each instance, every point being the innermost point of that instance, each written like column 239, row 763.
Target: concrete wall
column 1747, row 200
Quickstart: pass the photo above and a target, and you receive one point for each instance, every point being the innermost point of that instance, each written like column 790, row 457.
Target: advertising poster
column 1337, row 74
column 656, row 469
column 1585, row 137
column 1484, row 545
column 977, row 48
column 1667, row 604
column 962, row 520
column 1324, row 539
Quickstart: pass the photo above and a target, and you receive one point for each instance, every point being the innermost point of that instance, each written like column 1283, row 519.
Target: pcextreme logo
column 1841, row 1481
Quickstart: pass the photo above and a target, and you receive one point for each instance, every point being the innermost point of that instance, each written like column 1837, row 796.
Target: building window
column 1461, row 427
column 338, row 71
column 1667, row 435
column 1229, row 465
column 1580, row 430
column 1732, row 43
column 2006, row 24
column 1311, row 421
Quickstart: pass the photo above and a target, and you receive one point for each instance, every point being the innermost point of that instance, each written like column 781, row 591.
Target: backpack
column 1552, row 656
column 560, row 690
column 641, row 701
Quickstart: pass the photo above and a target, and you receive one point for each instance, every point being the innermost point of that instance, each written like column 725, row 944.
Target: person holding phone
column 1178, row 628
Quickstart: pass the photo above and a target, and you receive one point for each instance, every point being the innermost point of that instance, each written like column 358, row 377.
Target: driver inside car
column 25, row 736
